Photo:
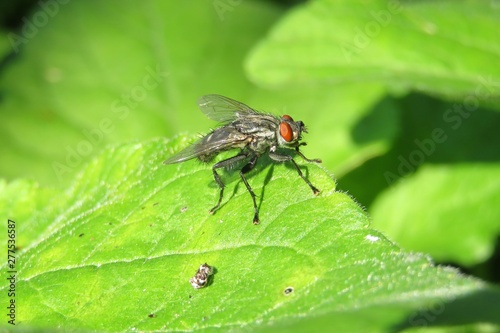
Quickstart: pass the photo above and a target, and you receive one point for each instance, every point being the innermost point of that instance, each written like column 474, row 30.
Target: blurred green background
column 401, row 99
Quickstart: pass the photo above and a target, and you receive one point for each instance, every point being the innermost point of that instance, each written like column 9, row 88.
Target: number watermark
column 11, row 272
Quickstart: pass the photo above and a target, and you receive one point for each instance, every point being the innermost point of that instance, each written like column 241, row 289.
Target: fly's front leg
column 223, row 164
column 285, row 158
column 247, row 168
column 314, row 160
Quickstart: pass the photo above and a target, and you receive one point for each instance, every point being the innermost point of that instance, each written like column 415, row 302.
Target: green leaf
column 446, row 205
column 455, row 217
column 432, row 46
column 116, row 250
column 26, row 200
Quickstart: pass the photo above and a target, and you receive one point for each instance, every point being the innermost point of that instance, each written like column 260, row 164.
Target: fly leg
column 314, row 160
column 285, row 158
column 247, row 168
column 224, row 164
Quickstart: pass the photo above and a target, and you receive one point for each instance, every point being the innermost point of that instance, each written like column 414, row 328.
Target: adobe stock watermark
column 454, row 118
column 120, row 110
column 40, row 18
column 426, row 316
column 223, row 6
column 363, row 36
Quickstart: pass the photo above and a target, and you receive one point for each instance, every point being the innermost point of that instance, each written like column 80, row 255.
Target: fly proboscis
column 253, row 133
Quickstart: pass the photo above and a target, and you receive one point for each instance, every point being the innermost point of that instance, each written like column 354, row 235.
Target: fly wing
column 187, row 153
column 223, row 109
column 222, row 139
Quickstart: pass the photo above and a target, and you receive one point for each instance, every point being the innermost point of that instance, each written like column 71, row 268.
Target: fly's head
column 290, row 131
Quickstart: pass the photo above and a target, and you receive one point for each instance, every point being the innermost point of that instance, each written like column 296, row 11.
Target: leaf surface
column 455, row 217
column 116, row 250
column 445, row 48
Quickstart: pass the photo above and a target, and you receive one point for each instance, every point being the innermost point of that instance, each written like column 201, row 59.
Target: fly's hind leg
column 247, row 168
column 285, row 158
column 224, row 164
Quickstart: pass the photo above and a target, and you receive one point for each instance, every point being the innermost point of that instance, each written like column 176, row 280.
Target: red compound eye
column 286, row 131
column 287, row 117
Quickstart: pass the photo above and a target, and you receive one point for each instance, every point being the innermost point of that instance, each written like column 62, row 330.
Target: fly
column 253, row 133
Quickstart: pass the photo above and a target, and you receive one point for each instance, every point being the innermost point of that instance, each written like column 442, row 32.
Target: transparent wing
column 223, row 109
column 210, row 145
column 187, row 153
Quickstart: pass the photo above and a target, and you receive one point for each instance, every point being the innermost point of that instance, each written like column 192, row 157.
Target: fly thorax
column 259, row 146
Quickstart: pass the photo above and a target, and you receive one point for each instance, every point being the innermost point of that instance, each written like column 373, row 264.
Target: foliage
column 116, row 252
column 400, row 100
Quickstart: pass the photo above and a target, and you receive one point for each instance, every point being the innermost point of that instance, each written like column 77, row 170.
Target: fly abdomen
column 207, row 157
